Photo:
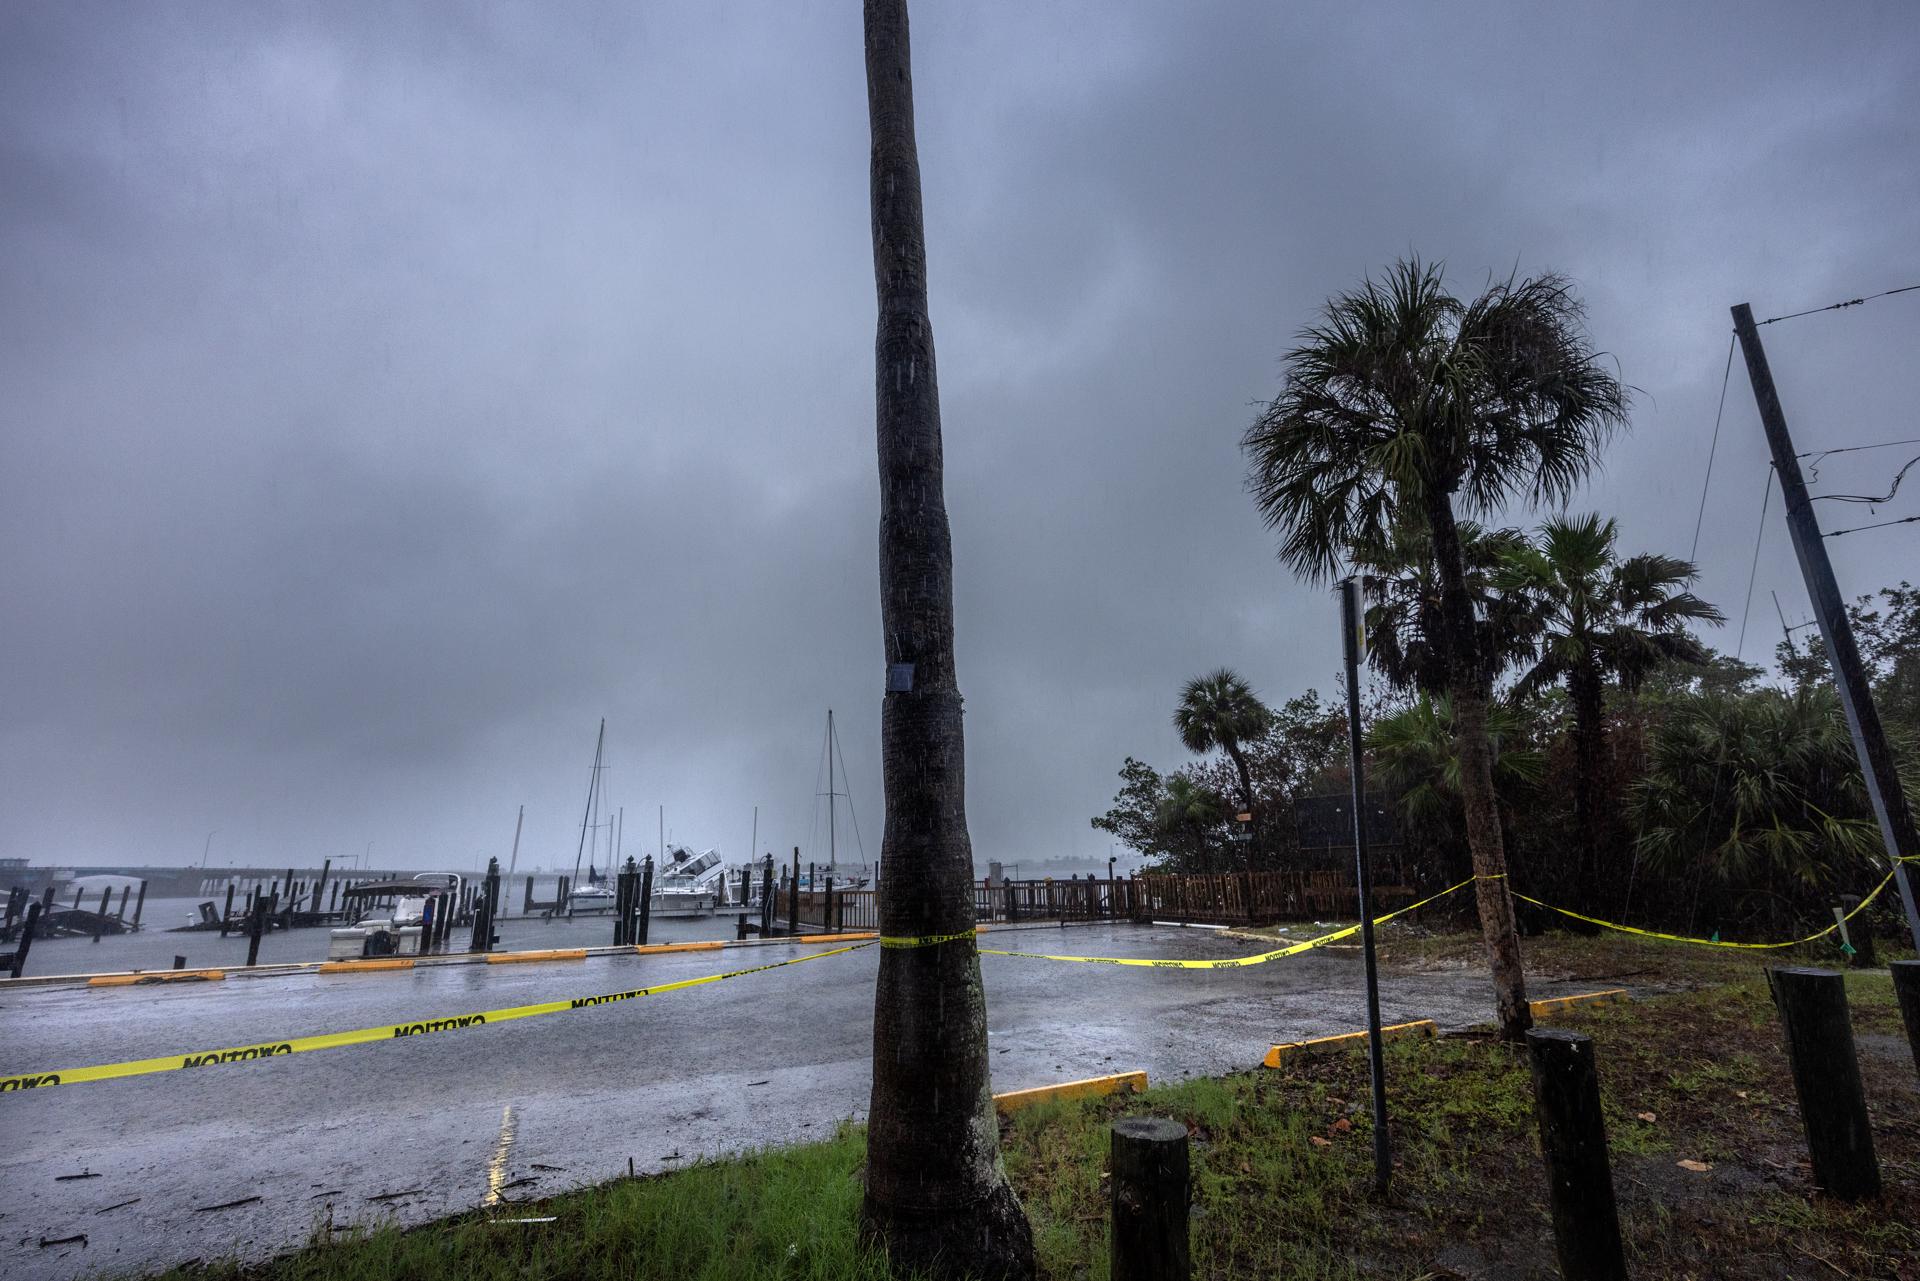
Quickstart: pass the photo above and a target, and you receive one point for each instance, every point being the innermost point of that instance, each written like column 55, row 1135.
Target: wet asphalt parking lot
column 412, row 1128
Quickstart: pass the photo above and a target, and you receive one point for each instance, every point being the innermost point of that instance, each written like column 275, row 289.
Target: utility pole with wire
column 1830, row 610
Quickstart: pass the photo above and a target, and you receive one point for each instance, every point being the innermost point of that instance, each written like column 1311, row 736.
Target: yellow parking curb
column 556, row 954
column 647, row 949
column 828, row 938
column 1553, row 1004
column 1014, row 1100
column 155, row 976
column 1279, row 1054
column 367, row 964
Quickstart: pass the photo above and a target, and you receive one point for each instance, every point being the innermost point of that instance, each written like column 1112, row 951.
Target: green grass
column 1282, row 1170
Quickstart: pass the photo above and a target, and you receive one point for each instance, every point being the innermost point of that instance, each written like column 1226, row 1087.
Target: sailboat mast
column 517, row 824
column 832, row 857
column 593, row 786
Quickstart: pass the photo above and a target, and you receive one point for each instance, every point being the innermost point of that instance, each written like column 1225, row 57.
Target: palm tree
column 1761, row 792
column 1220, row 710
column 1185, row 814
column 1415, row 758
column 1402, row 587
column 1591, row 616
column 1402, row 402
column 937, row 1197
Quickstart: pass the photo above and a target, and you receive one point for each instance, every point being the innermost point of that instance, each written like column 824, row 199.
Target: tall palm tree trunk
column 937, row 1197
column 1470, row 688
column 1588, row 696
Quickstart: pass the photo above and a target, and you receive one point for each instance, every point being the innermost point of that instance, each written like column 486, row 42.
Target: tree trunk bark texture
column 1593, row 830
column 1469, row 687
column 937, row 1198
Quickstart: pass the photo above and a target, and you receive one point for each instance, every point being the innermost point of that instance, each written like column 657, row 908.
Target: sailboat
column 855, row 876
column 595, row 896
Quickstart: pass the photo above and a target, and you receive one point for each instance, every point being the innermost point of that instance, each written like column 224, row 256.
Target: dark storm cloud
column 392, row 393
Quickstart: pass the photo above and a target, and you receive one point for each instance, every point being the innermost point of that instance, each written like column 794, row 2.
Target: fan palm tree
column 1402, row 587
column 1416, row 758
column 1760, row 791
column 1590, row 616
column 1220, row 710
column 1401, row 405
column 1182, row 819
column 937, row 1197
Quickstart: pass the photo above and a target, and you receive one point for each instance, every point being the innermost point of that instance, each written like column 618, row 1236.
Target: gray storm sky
column 391, row 392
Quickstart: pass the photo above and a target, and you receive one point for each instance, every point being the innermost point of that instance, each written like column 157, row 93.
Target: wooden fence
column 1228, row 898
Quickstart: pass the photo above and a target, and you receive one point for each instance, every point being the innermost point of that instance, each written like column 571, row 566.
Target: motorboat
column 388, row 918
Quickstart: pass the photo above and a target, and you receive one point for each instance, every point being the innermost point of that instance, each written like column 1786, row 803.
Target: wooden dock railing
column 1228, row 898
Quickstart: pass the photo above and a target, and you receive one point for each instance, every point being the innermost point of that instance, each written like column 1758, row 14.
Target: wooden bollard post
column 139, row 905
column 793, row 896
column 1906, row 987
column 1149, row 1201
column 1826, row 1076
column 226, row 913
column 126, row 892
column 1573, row 1137
column 646, row 898
column 766, row 900
column 25, row 944
column 827, row 916
column 255, row 925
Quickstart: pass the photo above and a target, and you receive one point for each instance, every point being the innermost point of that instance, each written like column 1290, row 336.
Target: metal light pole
column 1353, row 641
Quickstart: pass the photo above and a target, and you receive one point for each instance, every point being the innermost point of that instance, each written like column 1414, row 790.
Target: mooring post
column 793, row 896
column 26, row 940
column 766, row 901
column 483, row 909
column 1826, row 1075
column 226, row 913
column 255, row 924
column 646, row 898
column 622, row 904
column 740, row 929
column 827, row 916
column 126, row 892
column 1573, row 1138
column 139, row 905
column 1906, row 987
column 1148, row 1215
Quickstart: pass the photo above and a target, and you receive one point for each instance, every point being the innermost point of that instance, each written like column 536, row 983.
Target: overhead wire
column 1759, row 536
column 1701, row 516
column 1837, row 306
column 1904, row 520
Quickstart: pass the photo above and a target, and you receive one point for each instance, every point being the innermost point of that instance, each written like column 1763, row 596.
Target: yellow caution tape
column 921, row 940
column 1235, row 962
column 1683, row 938
column 386, row 1032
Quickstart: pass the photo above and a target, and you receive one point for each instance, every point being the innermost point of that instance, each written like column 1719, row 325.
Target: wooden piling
column 1826, row 1075
column 1149, row 1192
column 256, row 923
column 25, row 943
column 766, row 900
column 827, row 916
column 646, row 899
column 139, row 905
column 793, row 896
column 1573, row 1138
column 226, row 913
column 1906, row 987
